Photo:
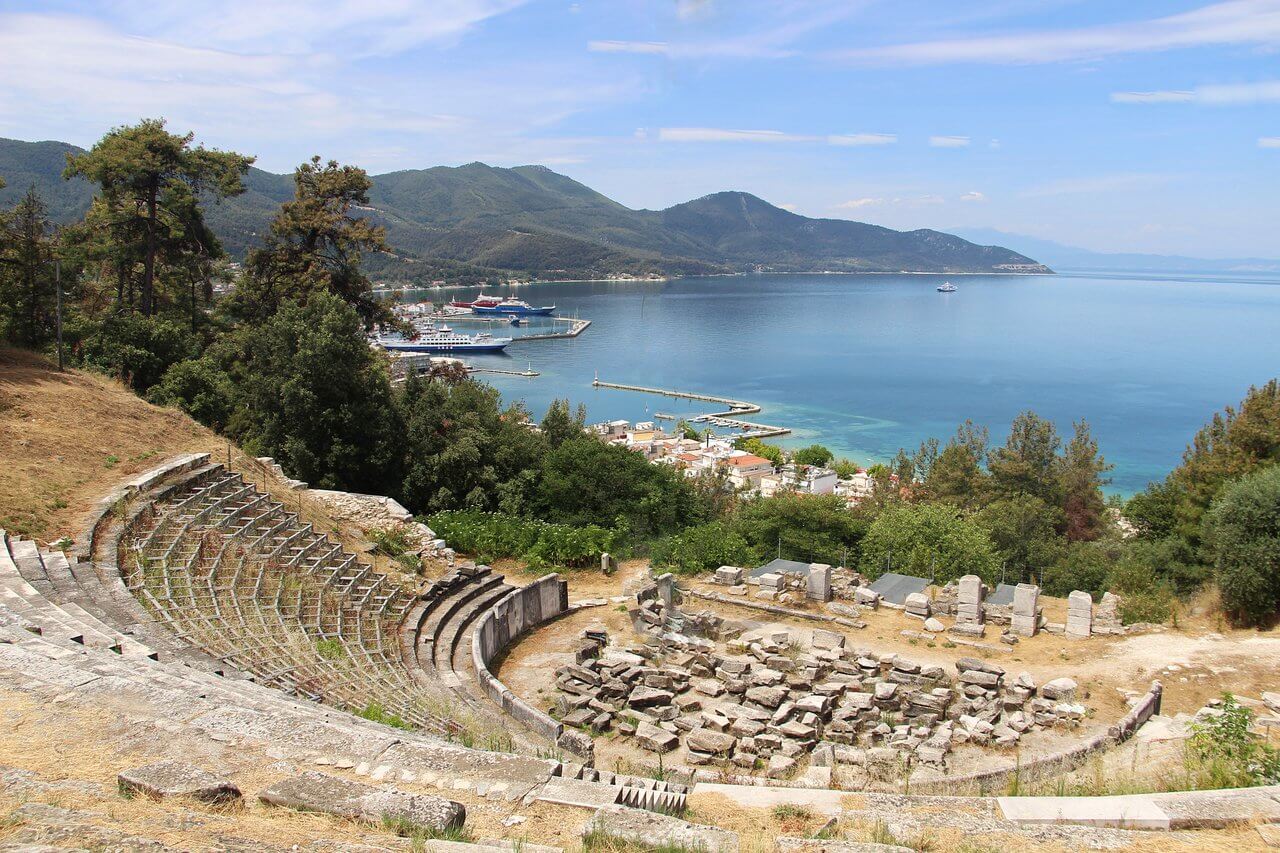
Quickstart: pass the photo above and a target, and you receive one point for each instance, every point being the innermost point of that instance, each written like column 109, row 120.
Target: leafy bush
column 702, row 549
column 816, row 528
column 540, row 543
column 928, row 540
column 1144, row 597
column 814, row 454
column 1242, row 531
column 1227, row 754
column 137, row 349
column 393, row 542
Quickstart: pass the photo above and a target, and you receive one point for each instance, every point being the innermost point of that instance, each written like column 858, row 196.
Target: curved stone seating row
column 200, row 704
column 232, row 572
column 500, row 624
column 440, row 625
column 204, row 704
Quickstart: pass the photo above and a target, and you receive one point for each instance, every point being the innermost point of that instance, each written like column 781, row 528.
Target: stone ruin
column 822, row 583
column 764, row 703
column 966, row 600
column 657, row 612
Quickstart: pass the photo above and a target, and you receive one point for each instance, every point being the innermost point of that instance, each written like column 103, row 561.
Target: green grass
column 376, row 713
column 331, row 649
column 790, row 811
column 418, row 833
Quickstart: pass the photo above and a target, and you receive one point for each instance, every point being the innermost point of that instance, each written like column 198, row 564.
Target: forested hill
column 476, row 220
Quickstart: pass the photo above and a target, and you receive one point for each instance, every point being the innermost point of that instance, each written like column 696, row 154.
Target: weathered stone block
column 316, row 792
column 176, row 779
column 642, row 828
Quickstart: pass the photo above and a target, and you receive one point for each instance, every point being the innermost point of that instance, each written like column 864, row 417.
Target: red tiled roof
column 748, row 459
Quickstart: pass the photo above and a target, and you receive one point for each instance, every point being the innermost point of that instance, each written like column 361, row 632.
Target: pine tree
column 315, row 245
column 147, row 208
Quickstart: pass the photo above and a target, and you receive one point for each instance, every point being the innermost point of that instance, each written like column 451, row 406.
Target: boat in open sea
column 512, row 306
column 432, row 338
column 947, row 287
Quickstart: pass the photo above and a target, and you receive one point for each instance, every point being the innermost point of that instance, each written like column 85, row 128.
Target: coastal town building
column 746, row 472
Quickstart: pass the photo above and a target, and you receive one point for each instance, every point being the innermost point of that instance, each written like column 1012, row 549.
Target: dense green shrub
column 814, row 528
column 137, row 349
column 1242, row 533
column 586, row 481
column 928, row 540
column 1144, row 597
column 540, row 543
column 701, row 549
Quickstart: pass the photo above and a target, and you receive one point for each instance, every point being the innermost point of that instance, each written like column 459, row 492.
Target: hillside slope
column 531, row 220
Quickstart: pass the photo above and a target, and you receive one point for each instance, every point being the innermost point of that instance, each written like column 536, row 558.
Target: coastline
column 664, row 279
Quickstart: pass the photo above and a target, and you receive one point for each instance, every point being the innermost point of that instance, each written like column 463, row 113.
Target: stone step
column 431, row 632
column 460, row 653
column 451, row 631
column 315, row 792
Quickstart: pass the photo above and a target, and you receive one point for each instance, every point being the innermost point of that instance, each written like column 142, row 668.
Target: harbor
column 422, row 332
column 728, row 419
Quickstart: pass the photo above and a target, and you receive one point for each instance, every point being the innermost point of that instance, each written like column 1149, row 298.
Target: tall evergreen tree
column 149, row 182
column 316, row 244
column 27, row 287
column 1027, row 464
column 1081, row 471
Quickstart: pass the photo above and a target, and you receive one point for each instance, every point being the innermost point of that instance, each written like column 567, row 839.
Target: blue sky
column 1136, row 126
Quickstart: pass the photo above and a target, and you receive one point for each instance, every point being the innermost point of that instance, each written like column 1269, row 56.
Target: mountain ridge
column 476, row 221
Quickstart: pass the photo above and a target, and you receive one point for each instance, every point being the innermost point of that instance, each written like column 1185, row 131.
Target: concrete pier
column 727, row 418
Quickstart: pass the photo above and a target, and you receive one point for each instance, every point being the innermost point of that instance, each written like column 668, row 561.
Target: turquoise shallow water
column 868, row 363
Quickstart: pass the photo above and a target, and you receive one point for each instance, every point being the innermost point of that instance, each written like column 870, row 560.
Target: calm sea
column 866, row 364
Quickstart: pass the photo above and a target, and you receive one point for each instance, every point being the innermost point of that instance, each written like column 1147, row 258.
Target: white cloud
column 341, row 27
column 1241, row 22
column 862, row 139
column 718, row 134
column 1269, row 142
column 1152, row 97
column 949, row 141
column 907, row 201
column 1233, row 93
column 973, row 195
column 715, row 134
column 788, row 207
column 775, row 29
column 610, row 46
column 687, row 10
column 72, row 78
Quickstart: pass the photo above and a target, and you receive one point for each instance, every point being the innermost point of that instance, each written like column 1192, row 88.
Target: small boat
column 947, row 287
column 513, row 306
column 516, row 320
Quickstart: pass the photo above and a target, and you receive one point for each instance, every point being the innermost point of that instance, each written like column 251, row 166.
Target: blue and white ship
column 432, row 338
column 513, row 306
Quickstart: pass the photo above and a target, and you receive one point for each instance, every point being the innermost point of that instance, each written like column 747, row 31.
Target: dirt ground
column 1195, row 662
column 68, row 439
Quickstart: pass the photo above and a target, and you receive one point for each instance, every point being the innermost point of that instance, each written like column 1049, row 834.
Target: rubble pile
column 765, row 703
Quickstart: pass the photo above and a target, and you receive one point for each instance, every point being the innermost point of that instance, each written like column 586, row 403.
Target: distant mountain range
column 477, row 220
column 1062, row 256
